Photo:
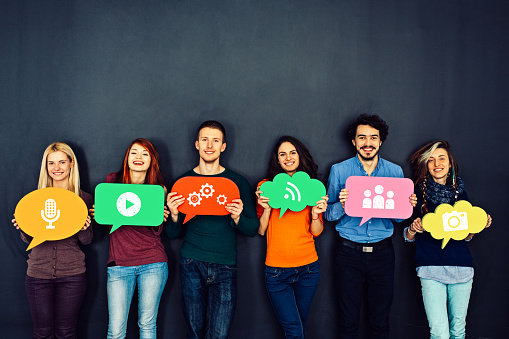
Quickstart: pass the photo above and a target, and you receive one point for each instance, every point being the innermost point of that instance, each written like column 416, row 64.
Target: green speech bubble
column 129, row 204
column 292, row 192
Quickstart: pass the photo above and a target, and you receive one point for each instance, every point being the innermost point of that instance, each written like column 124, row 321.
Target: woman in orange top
column 292, row 270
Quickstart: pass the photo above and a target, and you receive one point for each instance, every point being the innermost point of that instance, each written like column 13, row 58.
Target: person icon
column 389, row 203
column 378, row 201
column 366, row 203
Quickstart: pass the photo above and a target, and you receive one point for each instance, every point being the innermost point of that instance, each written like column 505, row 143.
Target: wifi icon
column 291, row 192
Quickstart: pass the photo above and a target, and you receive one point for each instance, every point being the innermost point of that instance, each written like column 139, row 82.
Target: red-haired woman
column 137, row 256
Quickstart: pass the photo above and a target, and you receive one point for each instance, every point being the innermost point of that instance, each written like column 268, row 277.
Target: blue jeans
column 446, row 307
column 209, row 296
column 122, row 280
column 55, row 305
column 291, row 292
column 354, row 268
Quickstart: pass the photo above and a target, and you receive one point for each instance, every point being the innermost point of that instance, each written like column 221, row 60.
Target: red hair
column 153, row 176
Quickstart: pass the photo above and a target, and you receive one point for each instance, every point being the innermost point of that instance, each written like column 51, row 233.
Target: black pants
column 55, row 305
column 354, row 268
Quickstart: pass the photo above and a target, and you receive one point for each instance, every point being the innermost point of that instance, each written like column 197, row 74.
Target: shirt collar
column 361, row 167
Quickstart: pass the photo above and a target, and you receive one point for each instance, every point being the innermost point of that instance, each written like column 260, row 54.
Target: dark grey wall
column 98, row 74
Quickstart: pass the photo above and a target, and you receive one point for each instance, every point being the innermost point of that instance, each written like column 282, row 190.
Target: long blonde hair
column 74, row 175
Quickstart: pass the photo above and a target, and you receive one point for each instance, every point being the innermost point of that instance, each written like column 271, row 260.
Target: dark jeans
column 291, row 292
column 209, row 296
column 55, row 305
column 355, row 268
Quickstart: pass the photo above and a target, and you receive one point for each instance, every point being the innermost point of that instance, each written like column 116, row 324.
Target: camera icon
column 455, row 221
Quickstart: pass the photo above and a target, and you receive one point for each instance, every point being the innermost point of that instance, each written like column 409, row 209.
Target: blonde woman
column 446, row 274
column 55, row 282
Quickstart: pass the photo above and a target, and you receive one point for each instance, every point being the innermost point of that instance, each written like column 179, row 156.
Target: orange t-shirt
column 290, row 242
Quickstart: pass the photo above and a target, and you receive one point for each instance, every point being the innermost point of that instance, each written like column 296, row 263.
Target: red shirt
column 135, row 245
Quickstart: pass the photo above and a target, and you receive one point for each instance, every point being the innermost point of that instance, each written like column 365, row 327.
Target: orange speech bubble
column 205, row 196
column 50, row 214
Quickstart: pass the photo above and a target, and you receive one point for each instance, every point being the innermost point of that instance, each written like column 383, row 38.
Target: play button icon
column 128, row 204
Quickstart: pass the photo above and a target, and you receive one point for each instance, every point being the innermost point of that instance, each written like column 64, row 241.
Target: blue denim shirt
column 374, row 230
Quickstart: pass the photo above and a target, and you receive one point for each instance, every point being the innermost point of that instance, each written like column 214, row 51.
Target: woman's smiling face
column 288, row 158
column 439, row 165
column 59, row 166
column 139, row 158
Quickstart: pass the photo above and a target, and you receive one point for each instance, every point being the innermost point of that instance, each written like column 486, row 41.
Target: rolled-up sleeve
column 334, row 208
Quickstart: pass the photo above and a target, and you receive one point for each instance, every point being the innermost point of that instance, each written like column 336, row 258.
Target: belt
column 366, row 247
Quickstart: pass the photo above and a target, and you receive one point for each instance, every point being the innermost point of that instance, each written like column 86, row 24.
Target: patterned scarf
column 442, row 194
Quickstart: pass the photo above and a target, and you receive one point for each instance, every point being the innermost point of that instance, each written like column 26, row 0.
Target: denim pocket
column 272, row 272
column 186, row 261
column 231, row 267
column 314, row 267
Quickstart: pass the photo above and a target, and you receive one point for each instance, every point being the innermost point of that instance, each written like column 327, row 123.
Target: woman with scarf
column 446, row 275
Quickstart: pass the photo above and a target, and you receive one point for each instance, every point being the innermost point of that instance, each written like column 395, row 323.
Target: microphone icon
column 50, row 213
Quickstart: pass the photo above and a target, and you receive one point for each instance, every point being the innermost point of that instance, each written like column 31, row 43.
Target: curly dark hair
column 306, row 162
column 372, row 120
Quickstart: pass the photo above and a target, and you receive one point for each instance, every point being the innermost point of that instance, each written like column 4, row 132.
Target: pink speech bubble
column 378, row 197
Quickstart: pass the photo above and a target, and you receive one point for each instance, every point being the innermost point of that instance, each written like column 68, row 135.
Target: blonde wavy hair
column 74, row 175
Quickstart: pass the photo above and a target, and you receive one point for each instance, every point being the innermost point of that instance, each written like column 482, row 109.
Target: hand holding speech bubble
column 129, row 204
column 455, row 222
column 292, row 192
column 50, row 214
column 378, row 197
column 205, row 195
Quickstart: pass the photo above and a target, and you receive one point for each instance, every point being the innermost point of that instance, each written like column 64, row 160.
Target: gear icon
column 207, row 190
column 222, row 199
column 194, row 199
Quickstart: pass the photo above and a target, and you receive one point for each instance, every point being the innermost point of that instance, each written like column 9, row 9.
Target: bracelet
column 410, row 232
column 316, row 218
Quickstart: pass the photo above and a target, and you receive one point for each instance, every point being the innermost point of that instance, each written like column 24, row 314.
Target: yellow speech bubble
column 454, row 222
column 50, row 214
